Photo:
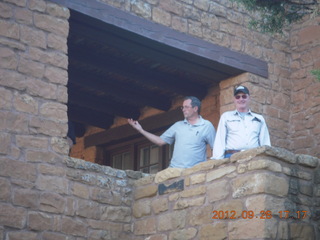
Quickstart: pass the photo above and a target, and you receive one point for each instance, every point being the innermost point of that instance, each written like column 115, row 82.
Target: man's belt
column 232, row 151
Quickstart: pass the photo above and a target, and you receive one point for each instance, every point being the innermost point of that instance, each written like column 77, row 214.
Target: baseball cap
column 241, row 89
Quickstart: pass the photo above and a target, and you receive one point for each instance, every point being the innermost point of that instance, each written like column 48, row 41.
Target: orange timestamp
column 262, row 215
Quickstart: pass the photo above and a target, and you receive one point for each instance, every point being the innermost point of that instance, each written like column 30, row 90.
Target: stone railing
column 263, row 193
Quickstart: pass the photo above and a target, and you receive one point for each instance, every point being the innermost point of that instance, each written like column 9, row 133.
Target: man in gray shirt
column 190, row 136
column 240, row 129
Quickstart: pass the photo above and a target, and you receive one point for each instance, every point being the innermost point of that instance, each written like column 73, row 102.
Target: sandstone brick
column 8, row 58
column 25, row 103
column 54, row 58
column 53, row 110
column 167, row 174
column 161, row 205
column 179, row 24
column 195, row 191
column 308, row 161
column 142, row 9
column 145, row 226
column 301, row 231
column 89, row 209
column 198, row 178
column 22, row 235
column 9, row 29
column 31, row 68
column 34, row 142
column 5, row 140
column 13, row 122
column 38, row 221
column 260, row 183
column 157, row 237
column 5, row 10
column 161, row 16
column 51, row 24
column 200, row 216
column 185, row 203
column 56, row 75
column 253, row 228
column 12, row 79
column 73, row 227
column 41, row 156
column 80, row 190
column 18, row 170
column 53, row 236
column 231, row 207
column 106, row 196
column 33, row 37
column 117, row 214
column 52, row 183
column 47, row 127
column 172, row 220
column 51, row 170
column 264, row 164
column 12, row 216
column 26, row 198
column 260, row 204
column 37, row 5
column 52, row 202
column 5, row 190
column 216, row 174
column 185, row 234
column 5, row 99
column 141, row 208
column 57, row 11
column 23, row 15
column 146, row 191
column 215, row 231
column 218, row 191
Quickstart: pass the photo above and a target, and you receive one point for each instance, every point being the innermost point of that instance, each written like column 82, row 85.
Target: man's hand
column 135, row 124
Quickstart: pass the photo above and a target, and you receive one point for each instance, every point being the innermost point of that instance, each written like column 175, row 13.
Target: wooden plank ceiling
column 120, row 63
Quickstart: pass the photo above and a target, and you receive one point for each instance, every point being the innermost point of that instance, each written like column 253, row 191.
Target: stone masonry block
column 52, row 202
column 141, row 208
column 218, row 190
column 12, row 216
column 173, row 187
column 145, row 227
column 260, row 183
column 184, row 234
column 5, row 190
column 73, row 227
column 219, row 173
column 146, row 191
column 167, row 174
column 40, row 221
column 214, row 231
column 172, row 221
column 160, row 205
column 18, row 170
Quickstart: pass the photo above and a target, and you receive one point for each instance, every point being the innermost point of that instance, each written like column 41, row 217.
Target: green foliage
column 274, row 15
column 316, row 73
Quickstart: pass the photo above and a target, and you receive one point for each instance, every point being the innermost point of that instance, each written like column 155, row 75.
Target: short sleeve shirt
column 190, row 142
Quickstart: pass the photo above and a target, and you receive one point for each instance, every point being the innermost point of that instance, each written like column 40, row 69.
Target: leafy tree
column 276, row 14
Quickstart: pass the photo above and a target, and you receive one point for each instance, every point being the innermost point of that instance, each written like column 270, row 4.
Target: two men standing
column 238, row 130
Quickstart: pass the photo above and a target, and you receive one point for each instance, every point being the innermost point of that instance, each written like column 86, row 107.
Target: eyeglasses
column 241, row 96
column 185, row 107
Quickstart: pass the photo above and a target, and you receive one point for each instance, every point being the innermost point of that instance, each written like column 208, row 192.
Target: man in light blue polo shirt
column 190, row 136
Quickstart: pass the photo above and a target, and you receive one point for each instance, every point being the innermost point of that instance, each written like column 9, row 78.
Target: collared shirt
column 190, row 142
column 240, row 132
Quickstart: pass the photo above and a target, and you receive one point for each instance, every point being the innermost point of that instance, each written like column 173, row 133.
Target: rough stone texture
column 45, row 195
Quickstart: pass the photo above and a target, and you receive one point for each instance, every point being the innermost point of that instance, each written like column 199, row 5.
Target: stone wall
column 267, row 193
column 79, row 200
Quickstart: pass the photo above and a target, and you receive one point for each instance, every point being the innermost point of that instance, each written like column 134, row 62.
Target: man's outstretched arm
column 150, row 136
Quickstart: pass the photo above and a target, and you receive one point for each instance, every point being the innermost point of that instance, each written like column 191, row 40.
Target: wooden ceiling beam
column 102, row 104
column 133, row 71
column 117, row 90
column 88, row 116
